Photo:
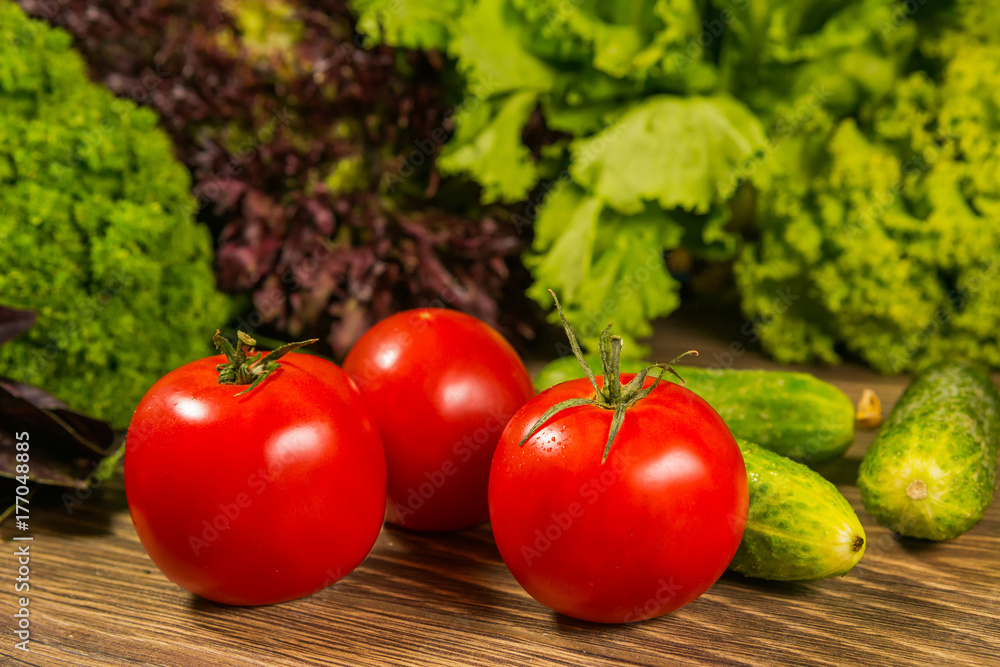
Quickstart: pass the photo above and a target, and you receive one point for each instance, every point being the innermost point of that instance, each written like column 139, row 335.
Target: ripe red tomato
column 261, row 498
column 640, row 535
column 441, row 385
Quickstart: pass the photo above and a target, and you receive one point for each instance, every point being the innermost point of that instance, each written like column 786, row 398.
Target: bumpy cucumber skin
column 794, row 414
column 939, row 442
column 799, row 526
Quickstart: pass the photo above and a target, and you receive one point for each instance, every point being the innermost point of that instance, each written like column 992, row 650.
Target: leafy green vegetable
column 412, row 24
column 780, row 55
column 67, row 448
column 487, row 146
column 96, row 232
column 656, row 151
column 600, row 242
column 642, row 40
column 698, row 142
column 884, row 226
column 863, row 133
column 604, row 263
column 487, row 44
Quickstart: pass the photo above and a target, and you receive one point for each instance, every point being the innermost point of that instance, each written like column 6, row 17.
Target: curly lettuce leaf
column 784, row 58
column 487, row 46
column 564, row 243
column 487, row 147
column 579, row 120
column 604, row 265
column 978, row 19
column 886, row 230
column 646, row 39
column 656, row 179
column 678, row 152
column 586, row 101
column 556, row 31
column 677, row 51
column 410, row 24
column 823, row 250
column 707, row 236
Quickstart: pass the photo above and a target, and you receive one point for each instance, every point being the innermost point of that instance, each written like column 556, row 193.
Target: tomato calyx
column 243, row 363
column 614, row 395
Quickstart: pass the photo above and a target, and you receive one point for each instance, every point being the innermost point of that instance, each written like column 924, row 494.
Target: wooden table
column 96, row 599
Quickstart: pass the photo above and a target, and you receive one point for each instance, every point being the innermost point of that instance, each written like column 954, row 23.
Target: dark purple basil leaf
column 59, row 430
column 49, row 465
column 14, row 322
column 65, row 446
column 8, row 488
column 424, row 242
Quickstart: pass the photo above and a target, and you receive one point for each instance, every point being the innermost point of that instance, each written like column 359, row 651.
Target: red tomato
column 640, row 535
column 261, row 498
column 441, row 386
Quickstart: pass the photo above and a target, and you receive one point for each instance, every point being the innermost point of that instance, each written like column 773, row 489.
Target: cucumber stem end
column 917, row 490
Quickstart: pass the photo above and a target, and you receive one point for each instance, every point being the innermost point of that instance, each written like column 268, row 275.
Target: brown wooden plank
column 96, row 598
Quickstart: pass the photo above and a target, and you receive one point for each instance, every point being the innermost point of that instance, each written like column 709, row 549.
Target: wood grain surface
column 97, row 599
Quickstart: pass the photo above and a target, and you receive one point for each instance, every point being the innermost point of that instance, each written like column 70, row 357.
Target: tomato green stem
column 613, row 395
column 243, row 363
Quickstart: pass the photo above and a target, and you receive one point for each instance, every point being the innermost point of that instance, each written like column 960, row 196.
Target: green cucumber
column 931, row 470
column 799, row 526
column 794, row 414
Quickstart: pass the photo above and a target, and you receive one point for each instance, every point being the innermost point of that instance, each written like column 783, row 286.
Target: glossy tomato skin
column 441, row 385
column 261, row 498
column 641, row 535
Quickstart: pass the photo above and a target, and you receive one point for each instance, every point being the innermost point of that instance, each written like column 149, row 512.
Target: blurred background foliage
column 831, row 166
column 311, row 158
column 841, row 154
column 96, row 233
